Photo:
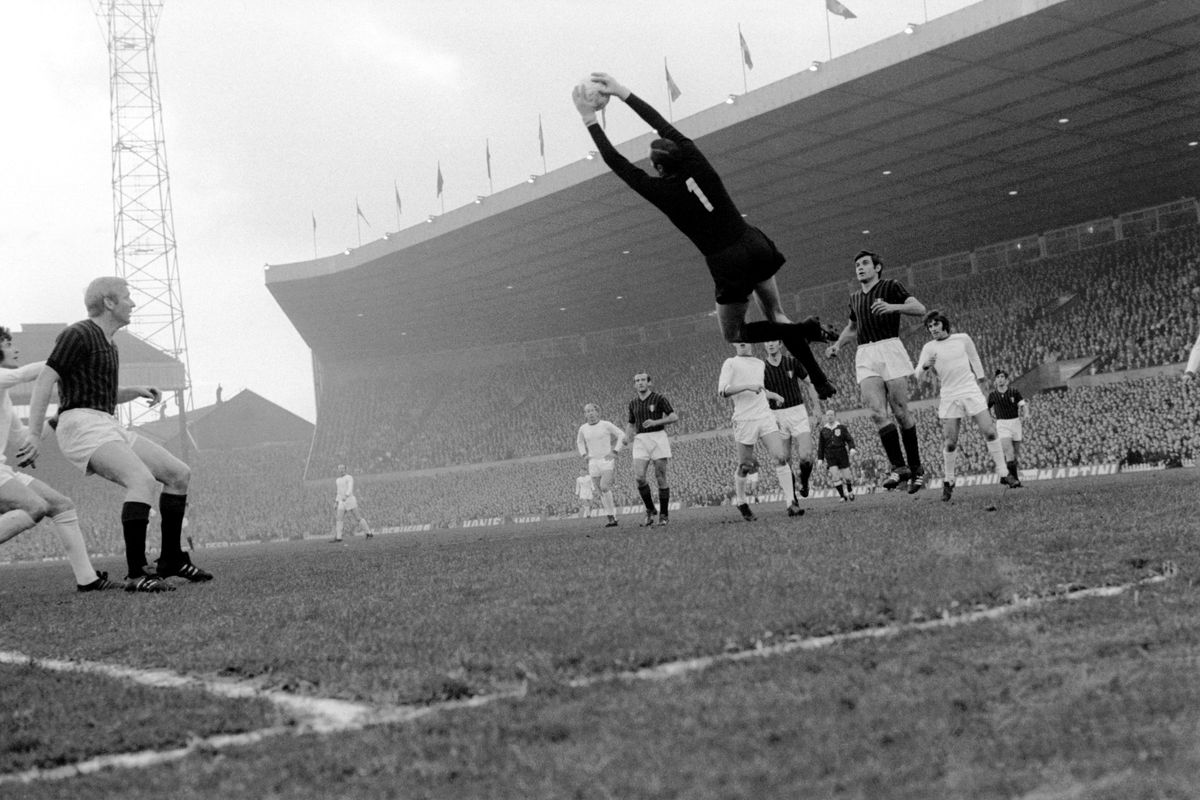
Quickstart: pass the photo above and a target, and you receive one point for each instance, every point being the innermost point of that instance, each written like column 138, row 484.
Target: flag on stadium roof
column 835, row 7
column 541, row 138
column 746, row 59
column 439, row 180
column 358, row 208
column 672, row 89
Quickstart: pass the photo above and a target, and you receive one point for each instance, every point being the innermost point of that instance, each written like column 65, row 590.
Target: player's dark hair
column 875, row 259
column 666, row 155
column 1000, row 372
column 643, row 372
column 5, row 334
column 937, row 316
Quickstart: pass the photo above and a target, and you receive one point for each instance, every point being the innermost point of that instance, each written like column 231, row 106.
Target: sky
column 278, row 112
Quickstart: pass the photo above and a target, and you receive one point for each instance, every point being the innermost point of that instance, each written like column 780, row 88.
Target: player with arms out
column 599, row 441
column 740, row 257
column 1009, row 408
column 785, row 376
column 24, row 500
column 346, row 502
column 953, row 359
column 882, row 367
column 85, row 365
column 645, row 429
column 741, row 380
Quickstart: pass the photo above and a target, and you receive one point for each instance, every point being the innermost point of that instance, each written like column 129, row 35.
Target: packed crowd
column 1127, row 305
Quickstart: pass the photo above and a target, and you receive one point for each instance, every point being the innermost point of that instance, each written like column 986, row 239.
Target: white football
column 591, row 93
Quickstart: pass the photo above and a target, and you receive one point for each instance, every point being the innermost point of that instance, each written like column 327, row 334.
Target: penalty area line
column 674, row 669
column 319, row 715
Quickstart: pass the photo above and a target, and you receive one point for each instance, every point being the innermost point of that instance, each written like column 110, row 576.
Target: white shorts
column 793, row 422
column 597, row 467
column 7, row 474
column 885, row 359
column 1010, row 429
column 651, row 446
column 749, row 431
column 81, row 431
column 962, row 406
column 348, row 504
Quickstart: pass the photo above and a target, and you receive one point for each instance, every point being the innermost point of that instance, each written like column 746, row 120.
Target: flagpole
column 828, row 34
column 487, row 148
column 358, row 221
column 543, row 142
column 742, row 58
column 314, row 220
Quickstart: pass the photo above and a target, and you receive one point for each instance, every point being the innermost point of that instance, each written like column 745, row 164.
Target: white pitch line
column 674, row 669
column 328, row 715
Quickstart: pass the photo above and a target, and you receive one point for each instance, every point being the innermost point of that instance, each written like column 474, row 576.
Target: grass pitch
column 1092, row 698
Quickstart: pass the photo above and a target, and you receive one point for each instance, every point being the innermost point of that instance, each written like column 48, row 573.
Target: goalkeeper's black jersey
column 694, row 199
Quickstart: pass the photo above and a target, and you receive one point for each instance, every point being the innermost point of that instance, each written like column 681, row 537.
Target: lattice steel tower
column 143, row 220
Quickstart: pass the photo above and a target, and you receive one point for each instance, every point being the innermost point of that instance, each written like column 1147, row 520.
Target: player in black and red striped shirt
column 741, row 259
column 85, row 365
column 785, row 376
column 645, row 429
column 882, row 365
column 1008, row 408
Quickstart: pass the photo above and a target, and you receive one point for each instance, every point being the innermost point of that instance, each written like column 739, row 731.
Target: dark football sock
column 841, row 489
column 135, row 517
column 664, row 499
column 644, row 491
column 909, row 437
column 172, row 508
column 891, row 445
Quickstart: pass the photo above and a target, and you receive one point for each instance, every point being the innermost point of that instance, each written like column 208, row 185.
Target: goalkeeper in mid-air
column 740, row 257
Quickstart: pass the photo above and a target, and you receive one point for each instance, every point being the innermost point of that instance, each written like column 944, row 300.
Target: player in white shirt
column 25, row 500
column 599, row 441
column 346, row 501
column 1193, row 362
column 753, row 421
column 952, row 357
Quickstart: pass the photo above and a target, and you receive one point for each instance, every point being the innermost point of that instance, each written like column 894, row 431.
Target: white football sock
column 66, row 525
column 997, row 452
column 784, row 473
column 948, row 459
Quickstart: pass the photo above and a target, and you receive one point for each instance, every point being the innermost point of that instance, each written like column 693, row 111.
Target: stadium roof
column 919, row 139
column 245, row 420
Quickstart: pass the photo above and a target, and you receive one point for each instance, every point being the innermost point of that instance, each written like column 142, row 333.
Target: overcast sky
column 278, row 111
